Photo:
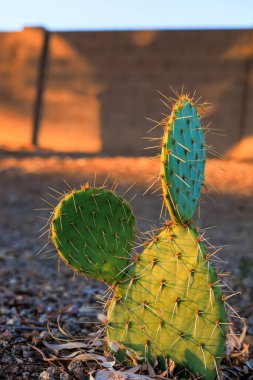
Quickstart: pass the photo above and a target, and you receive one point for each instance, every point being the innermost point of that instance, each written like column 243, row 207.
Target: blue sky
column 127, row 14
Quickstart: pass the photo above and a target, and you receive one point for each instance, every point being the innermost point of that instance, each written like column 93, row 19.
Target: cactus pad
column 94, row 231
column 183, row 161
column 170, row 305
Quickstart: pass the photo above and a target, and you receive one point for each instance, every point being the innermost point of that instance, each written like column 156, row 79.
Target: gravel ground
column 34, row 288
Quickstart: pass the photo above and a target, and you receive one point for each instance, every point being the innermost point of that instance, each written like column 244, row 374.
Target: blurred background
column 79, row 86
column 65, row 88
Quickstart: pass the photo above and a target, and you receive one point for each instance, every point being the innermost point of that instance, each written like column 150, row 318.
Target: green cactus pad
column 170, row 305
column 183, row 161
column 94, row 231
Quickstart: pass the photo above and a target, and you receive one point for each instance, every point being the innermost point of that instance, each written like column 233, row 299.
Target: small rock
column 16, row 350
column 6, row 358
column 27, row 352
column 43, row 319
column 44, row 375
column 77, row 369
column 48, row 374
column 64, row 376
column 26, row 376
column 7, row 336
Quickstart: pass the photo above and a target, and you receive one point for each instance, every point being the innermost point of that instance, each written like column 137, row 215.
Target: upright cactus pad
column 170, row 305
column 183, row 160
column 94, row 231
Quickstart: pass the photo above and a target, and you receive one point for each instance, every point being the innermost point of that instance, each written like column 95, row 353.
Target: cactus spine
column 167, row 301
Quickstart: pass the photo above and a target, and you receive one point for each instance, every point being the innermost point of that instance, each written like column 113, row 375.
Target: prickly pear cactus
column 167, row 302
column 183, row 161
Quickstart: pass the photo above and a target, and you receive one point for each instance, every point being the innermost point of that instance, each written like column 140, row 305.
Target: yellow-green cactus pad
column 94, row 232
column 183, row 161
column 169, row 305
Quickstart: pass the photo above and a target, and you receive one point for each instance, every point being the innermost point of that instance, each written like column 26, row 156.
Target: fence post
column 246, row 89
column 40, row 88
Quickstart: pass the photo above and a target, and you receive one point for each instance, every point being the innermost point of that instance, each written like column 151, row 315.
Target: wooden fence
column 90, row 92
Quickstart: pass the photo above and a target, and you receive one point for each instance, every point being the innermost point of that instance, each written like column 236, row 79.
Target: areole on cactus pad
column 167, row 302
